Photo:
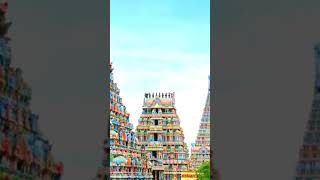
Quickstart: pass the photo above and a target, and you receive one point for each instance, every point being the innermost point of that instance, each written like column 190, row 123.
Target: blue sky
column 162, row 45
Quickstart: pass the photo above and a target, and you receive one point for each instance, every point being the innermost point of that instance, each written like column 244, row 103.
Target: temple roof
column 159, row 100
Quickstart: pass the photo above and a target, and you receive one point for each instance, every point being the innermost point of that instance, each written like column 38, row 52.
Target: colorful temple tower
column 308, row 166
column 200, row 150
column 160, row 134
column 127, row 159
column 24, row 153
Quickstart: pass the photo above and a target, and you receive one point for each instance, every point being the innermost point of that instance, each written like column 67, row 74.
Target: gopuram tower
column 24, row 153
column 200, row 150
column 160, row 133
column 308, row 166
column 127, row 159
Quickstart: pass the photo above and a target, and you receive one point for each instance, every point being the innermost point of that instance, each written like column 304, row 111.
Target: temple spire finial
column 209, row 83
column 110, row 66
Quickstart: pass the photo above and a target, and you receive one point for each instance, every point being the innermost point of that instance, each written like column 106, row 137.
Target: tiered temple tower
column 160, row 133
column 127, row 160
column 24, row 153
column 308, row 167
column 200, row 150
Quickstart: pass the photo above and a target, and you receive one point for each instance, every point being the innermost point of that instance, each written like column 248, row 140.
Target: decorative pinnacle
column 110, row 67
column 209, row 78
column 160, row 95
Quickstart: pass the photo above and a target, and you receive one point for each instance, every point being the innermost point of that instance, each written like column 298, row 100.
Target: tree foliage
column 203, row 172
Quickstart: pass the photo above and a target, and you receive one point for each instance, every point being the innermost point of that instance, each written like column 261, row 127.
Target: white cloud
column 163, row 55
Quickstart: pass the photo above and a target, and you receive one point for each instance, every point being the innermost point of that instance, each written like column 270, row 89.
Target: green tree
column 203, row 172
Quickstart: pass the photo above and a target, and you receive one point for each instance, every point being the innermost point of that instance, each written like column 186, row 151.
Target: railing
column 155, row 144
column 143, row 127
column 155, row 128
column 173, row 142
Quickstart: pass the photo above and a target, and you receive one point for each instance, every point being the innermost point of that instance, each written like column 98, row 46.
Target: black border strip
column 212, row 93
column 107, row 148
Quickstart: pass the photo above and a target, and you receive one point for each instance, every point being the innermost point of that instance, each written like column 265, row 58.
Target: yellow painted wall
column 188, row 176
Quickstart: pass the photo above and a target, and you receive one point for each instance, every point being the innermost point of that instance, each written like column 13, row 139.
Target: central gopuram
column 159, row 132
